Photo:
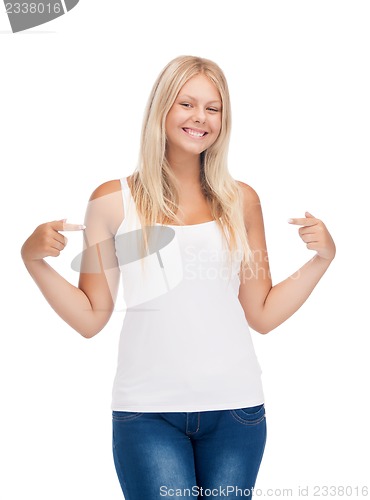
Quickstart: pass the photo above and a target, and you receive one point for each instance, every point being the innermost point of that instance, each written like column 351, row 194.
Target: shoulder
column 250, row 197
column 252, row 210
column 105, row 205
column 106, row 188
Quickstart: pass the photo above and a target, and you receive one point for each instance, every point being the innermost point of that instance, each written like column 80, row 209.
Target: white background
column 73, row 93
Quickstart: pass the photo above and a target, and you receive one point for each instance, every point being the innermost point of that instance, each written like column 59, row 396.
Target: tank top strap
column 124, row 183
column 131, row 219
column 125, row 190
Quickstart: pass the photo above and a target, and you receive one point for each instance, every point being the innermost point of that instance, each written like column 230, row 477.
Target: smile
column 198, row 134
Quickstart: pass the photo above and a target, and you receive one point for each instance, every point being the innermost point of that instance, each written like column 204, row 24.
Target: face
column 194, row 120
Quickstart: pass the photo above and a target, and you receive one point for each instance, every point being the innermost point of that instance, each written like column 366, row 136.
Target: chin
column 196, row 148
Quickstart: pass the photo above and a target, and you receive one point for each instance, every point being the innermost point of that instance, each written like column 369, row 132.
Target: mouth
column 196, row 133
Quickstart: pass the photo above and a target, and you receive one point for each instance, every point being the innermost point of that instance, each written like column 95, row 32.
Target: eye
column 214, row 110
column 185, row 104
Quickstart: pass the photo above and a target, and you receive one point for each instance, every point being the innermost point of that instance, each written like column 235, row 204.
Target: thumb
column 307, row 214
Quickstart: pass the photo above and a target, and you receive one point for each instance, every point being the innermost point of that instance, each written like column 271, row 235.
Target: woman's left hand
column 316, row 236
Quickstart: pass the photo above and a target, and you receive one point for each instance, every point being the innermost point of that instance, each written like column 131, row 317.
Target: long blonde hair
column 154, row 186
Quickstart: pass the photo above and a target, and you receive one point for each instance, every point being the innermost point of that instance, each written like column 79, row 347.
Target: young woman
column 188, row 240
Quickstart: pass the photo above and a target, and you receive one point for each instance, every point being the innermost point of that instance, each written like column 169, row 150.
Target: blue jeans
column 204, row 454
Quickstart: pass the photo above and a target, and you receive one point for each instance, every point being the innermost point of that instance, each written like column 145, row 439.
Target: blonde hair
column 154, row 186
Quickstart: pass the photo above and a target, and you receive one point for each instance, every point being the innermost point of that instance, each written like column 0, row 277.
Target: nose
column 199, row 115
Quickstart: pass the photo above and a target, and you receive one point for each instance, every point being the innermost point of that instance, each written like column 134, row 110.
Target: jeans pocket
column 252, row 415
column 120, row 416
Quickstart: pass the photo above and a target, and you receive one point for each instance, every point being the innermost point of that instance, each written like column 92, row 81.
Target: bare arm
column 267, row 306
column 88, row 307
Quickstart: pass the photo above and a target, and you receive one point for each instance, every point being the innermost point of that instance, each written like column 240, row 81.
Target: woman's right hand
column 46, row 240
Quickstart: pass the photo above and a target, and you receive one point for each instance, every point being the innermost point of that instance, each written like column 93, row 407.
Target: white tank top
column 185, row 344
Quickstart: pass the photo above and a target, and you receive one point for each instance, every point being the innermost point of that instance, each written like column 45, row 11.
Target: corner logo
column 24, row 15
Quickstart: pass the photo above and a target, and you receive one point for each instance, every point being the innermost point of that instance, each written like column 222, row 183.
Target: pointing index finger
column 73, row 227
column 304, row 221
column 61, row 225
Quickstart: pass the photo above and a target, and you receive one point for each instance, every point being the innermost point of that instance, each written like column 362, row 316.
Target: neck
column 186, row 169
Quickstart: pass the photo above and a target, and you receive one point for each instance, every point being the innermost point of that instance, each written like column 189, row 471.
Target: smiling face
column 194, row 120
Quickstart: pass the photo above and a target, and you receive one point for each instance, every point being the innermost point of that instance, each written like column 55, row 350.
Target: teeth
column 195, row 134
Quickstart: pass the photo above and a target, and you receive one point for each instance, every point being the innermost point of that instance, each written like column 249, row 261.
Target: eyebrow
column 193, row 98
